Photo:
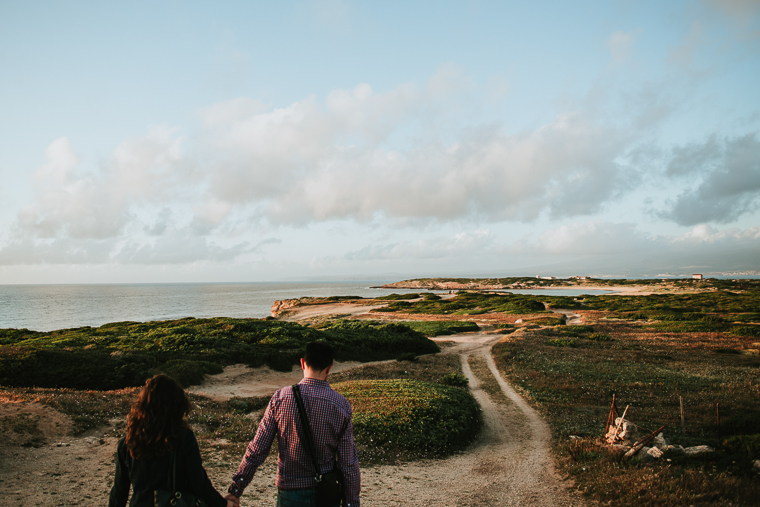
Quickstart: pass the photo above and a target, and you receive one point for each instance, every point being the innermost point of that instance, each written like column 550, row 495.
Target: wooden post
column 611, row 417
column 717, row 414
column 617, row 427
column 683, row 423
column 641, row 443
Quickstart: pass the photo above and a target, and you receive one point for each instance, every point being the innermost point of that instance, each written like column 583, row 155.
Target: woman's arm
column 120, row 489
column 197, row 480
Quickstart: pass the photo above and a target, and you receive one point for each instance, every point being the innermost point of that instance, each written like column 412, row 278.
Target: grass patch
column 469, row 303
column 562, row 342
column 398, row 297
column 488, row 382
column 124, row 354
column 649, row 370
column 441, row 328
column 403, row 419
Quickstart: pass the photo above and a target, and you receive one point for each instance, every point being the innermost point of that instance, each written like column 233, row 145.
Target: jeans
column 297, row 498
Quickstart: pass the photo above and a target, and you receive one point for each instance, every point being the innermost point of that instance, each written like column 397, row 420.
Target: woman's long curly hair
column 156, row 418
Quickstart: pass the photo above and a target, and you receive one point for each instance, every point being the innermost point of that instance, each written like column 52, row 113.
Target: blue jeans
column 297, row 497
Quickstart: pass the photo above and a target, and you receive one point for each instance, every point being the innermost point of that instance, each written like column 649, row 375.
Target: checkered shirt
column 329, row 415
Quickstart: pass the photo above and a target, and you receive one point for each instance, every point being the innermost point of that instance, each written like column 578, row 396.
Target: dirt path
column 509, row 464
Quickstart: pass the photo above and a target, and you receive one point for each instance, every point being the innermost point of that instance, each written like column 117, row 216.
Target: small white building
column 697, row 276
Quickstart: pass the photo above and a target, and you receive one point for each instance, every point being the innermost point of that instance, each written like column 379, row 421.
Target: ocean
column 52, row 307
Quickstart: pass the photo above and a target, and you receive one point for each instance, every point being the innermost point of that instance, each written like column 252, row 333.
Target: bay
column 52, row 307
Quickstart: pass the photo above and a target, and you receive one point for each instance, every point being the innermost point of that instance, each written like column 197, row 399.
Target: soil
column 510, row 462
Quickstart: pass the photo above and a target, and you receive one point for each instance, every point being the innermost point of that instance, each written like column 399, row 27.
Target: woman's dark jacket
column 145, row 476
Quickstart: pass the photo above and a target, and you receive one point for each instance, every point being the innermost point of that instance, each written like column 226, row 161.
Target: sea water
column 51, row 307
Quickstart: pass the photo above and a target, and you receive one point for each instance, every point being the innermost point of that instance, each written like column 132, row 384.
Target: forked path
column 509, row 464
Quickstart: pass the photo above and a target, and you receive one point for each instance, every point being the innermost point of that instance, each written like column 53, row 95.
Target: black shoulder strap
column 306, row 428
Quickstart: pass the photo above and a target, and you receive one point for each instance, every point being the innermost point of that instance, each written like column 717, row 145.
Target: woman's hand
column 232, row 500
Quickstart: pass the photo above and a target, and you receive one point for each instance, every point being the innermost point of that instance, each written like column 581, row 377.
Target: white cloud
column 621, row 46
column 70, row 202
column 460, row 244
column 597, row 237
column 729, row 180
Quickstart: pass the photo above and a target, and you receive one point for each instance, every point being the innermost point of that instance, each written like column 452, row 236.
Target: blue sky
column 259, row 141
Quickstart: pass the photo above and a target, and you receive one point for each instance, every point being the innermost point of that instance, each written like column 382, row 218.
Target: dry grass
column 648, row 370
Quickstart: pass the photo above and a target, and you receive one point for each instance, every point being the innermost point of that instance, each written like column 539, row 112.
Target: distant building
column 697, row 276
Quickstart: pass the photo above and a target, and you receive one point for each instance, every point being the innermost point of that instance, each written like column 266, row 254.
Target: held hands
column 232, row 500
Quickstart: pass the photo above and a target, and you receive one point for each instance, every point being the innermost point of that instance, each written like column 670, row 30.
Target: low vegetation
column 468, row 303
column 411, row 399
column 570, row 373
column 406, row 419
column 441, row 328
column 124, row 354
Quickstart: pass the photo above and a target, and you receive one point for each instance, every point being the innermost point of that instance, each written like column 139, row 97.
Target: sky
column 245, row 141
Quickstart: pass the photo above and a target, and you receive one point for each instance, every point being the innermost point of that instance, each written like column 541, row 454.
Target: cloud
column 464, row 243
column 603, row 247
column 178, row 247
column 332, row 15
column 739, row 9
column 597, row 237
column 621, row 46
column 56, row 251
column 729, row 184
column 311, row 162
column 70, row 202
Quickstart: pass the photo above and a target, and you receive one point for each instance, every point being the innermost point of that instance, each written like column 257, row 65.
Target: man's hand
column 232, row 500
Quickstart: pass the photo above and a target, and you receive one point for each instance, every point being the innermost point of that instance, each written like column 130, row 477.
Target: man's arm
column 348, row 462
column 256, row 452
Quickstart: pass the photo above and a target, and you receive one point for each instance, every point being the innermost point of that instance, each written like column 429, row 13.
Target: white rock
column 660, row 442
column 655, row 452
column 697, row 450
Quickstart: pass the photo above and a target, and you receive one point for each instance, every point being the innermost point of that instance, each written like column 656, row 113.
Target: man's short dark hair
column 318, row 356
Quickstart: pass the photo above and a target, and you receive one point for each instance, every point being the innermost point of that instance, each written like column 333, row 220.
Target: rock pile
column 624, row 435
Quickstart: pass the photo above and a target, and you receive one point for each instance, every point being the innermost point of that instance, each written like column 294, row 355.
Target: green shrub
column 441, row 328
column 562, row 342
column 600, row 337
column 745, row 444
column 548, row 321
column 123, row 354
column 410, row 417
column 397, row 297
column 455, row 380
column 248, row 405
column 408, row 356
column 745, row 330
column 188, row 373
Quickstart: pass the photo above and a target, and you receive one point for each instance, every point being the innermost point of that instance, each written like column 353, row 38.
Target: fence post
column 683, row 424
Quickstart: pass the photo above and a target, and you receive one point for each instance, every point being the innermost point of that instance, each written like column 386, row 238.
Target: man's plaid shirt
column 329, row 415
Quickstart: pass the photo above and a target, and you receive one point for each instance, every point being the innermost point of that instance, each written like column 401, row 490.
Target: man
column 329, row 416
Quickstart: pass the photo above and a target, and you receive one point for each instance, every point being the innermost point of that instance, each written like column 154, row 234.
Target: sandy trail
column 509, row 464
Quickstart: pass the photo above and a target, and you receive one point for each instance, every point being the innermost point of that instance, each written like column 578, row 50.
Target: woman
column 157, row 432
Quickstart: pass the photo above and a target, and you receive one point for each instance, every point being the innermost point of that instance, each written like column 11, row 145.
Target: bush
column 562, row 342
column 441, row 328
column 455, row 380
column 189, row 373
column 745, row 444
column 411, row 417
column 124, row 354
